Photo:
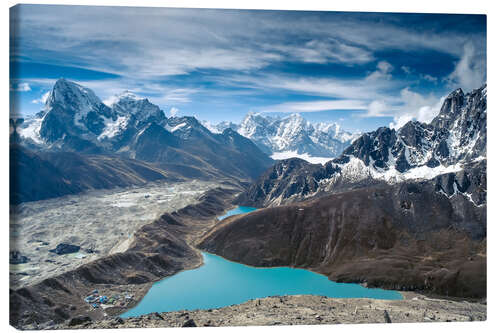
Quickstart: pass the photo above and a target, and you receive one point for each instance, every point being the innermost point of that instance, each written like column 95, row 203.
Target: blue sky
column 363, row 70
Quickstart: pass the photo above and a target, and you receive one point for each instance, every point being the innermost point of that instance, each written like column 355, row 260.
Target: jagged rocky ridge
column 454, row 142
column 291, row 134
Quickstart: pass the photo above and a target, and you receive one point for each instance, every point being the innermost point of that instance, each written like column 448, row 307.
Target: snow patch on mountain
column 177, row 127
column 127, row 103
column 283, row 155
column 211, row 127
column 112, row 128
column 30, row 129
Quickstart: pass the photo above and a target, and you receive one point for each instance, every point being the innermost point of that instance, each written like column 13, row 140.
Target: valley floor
column 306, row 310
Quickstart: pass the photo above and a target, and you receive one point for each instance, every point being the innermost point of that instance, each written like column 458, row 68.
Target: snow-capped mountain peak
column 76, row 100
column 68, row 92
column 128, row 103
column 126, row 95
column 72, row 110
column 74, row 115
column 254, row 125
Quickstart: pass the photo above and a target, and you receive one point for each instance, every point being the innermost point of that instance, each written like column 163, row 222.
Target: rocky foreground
column 158, row 249
column 302, row 310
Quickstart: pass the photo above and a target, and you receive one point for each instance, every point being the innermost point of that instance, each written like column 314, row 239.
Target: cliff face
column 409, row 236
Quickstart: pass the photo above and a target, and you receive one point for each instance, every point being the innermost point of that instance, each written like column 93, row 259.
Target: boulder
column 16, row 258
column 79, row 320
column 189, row 323
column 64, row 248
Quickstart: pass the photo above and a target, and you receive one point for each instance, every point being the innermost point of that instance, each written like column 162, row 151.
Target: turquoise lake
column 236, row 211
column 219, row 282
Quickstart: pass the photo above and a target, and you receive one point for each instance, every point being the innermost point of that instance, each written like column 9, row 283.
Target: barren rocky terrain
column 101, row 222
column 303, row 310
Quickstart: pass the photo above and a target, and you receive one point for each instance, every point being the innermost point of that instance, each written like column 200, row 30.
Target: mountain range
column 74, row 120
column 454, row 142
column 290, row 135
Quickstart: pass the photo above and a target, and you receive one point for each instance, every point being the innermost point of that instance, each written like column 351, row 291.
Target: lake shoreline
column 206, row 287
column 406, row 295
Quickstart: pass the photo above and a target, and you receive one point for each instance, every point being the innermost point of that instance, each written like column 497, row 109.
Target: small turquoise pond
column 236, row 211
column 219, row 282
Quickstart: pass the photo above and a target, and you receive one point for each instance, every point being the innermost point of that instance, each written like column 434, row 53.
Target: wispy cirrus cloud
column 329, row 50
column 179, row 95
column 172, row 41
column 375, row 85
column 315, row 106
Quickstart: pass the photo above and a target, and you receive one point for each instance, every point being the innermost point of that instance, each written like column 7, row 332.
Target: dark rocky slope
column 160, row 249
column 409, row 236
column 44, row 175
column 39, row 175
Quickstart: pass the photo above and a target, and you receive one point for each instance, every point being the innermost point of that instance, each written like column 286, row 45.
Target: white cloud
column 315, row 106
column 42, row 98
column 400, row 121
column 212, row 39
column 20, row 86
column 429, row 78
column 470, row 71
column 180, row 41
column 359, row 89
column 179, row 95
column 377, row 108
column 416, row 107
column 384, row 67
column 428, row 112
column 382, row 73
column 111, row 100
column 328, row 50
column 174, row 111
column 413, row 100
column 406, row 69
